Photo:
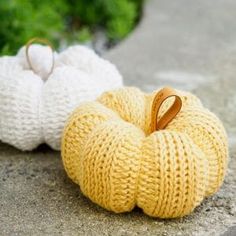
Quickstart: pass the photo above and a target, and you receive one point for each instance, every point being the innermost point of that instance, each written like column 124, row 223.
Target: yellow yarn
column 109, row 150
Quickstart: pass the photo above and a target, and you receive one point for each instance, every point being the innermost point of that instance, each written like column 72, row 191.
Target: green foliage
column 70, row 20
column 21, row 20
column 121, row 15
column 118, row 17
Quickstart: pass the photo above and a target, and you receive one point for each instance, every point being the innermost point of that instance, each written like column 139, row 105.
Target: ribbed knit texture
column 34, row 105
column 109, row 150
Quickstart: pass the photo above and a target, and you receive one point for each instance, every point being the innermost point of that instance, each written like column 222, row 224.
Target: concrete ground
column 186, row 44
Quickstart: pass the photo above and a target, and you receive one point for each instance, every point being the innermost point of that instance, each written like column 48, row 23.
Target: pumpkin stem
column 157, row 122
column 42, row 41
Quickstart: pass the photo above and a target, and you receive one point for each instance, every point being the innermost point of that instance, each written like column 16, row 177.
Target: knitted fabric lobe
column 108, row 148
column 34, row 103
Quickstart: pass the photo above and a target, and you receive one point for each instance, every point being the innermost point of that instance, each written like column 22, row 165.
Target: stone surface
column 190, row 45
column 230, row 232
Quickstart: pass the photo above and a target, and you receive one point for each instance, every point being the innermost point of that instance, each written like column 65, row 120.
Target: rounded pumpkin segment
column 20, row 108
column 207, row 132
column 110, row 163
column 125, row 102
column 79, row 125
column 173, row 175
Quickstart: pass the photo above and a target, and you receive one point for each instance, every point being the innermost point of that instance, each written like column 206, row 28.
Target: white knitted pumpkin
column 35, row 105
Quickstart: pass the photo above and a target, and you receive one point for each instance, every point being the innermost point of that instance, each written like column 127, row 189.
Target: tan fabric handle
column 161, row 96
column 42, row 41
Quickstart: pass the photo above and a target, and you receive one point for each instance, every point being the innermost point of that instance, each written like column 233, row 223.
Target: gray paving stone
column 230, row 232
column 190, row 45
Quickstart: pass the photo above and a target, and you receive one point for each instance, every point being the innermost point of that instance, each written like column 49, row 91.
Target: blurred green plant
column 70, row 20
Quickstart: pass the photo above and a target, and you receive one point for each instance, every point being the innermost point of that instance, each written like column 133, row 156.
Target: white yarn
column 40, row 57
column 9, row 64
column 86, row 60
column 34, row 108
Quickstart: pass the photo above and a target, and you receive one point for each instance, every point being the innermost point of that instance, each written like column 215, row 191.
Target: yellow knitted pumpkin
column 132, row 149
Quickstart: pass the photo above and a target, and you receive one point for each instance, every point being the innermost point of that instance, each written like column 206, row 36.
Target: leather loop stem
column 158, row 123
column 41, row 41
